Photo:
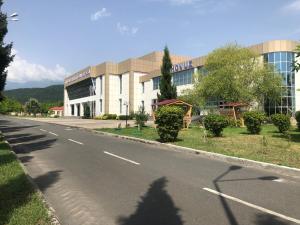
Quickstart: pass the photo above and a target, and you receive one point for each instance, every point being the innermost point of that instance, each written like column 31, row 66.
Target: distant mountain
column 54, row 93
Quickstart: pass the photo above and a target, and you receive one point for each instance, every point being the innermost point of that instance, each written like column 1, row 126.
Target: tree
column 297, row 63
column 5, row 52
column 235, row 74
column 32, row 106
column 10, row 105
column 167, row 89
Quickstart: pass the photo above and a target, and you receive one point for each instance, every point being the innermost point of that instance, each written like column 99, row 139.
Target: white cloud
column 22, row 71
column 293, row 6
column 100, row 14
column 126, row 30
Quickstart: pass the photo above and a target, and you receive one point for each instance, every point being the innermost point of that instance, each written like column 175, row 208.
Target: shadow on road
column 262, row 218
column 17, row 192
column 156, row 207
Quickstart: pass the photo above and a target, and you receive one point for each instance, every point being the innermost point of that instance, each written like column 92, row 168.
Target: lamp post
column 126, row 104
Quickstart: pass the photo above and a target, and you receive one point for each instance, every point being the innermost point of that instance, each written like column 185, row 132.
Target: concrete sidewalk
column 85, row 123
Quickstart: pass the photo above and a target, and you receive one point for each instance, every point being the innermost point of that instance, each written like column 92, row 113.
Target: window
column 101, row 107
column 121, row 86
column 143, row 87
column 282, row 62
column 183, row 77
column 120, row 102
column 72, row 110
column 156, row 81
column 101, row 85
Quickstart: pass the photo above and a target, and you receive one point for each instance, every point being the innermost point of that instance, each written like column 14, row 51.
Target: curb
column 51, row 212
column 283, row 170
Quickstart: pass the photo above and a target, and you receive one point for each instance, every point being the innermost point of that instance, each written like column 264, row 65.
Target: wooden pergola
column 234, row 110
column 187, row 119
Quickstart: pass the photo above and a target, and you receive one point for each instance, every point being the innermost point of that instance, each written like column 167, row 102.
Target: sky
column 56, row 38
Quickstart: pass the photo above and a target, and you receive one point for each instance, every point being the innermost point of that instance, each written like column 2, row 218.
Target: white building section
column 107, row 88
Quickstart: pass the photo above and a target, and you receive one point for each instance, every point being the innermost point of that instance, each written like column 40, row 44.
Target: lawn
column 20, row 204
column 270, row 146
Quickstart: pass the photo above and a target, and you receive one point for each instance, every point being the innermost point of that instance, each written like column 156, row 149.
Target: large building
column 109, row 88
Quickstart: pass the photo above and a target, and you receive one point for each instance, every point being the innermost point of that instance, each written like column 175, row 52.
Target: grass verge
column 270, row 146
column 20, row 204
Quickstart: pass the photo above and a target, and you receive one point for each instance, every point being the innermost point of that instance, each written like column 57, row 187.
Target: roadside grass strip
column 270, row 146
column 20, row 204
column 253, row 206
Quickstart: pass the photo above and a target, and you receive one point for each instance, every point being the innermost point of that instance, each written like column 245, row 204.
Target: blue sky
column 55, row 38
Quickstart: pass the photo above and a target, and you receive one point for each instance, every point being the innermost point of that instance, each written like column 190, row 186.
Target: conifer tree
column 5, row 51
column 167, row 89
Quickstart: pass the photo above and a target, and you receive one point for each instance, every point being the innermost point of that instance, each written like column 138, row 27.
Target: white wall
column 114, row 93
column 138, row 93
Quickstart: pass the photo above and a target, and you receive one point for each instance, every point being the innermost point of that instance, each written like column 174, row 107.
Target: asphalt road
column 95, row 179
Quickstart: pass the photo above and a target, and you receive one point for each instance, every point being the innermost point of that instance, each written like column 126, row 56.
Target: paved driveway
column 95, row 179
column 85, row 123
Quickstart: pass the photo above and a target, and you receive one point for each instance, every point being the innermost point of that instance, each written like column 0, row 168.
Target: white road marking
column 43, row 130
column 53, row 133
column 77, row 142
column 68, row 129
column 279, row 180
column 119, row 157
column 253, row 206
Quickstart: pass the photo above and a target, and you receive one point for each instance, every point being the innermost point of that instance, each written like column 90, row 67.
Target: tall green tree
column 5, row 52
column 236, row 74
column 33, row 106
column 167, row 89
column 297, row 61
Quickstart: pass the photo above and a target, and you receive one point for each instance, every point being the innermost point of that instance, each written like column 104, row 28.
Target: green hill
column 54, row 93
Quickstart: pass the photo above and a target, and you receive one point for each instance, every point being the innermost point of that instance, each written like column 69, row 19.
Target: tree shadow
column 17, row 192
column 6, row 129
column 14, row 136
column 156, row 207
column 34, row 146
column 25, row 159
column 266, row 219
column 24, row 139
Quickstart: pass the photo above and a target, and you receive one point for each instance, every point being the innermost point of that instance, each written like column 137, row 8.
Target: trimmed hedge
column 169, row 120
column 253, row 121
column 215, row 124
column 123, row 117
column 282, row 122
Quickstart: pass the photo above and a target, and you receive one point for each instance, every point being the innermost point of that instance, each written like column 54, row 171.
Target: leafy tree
column 10, row 105
column 297, row 63
column 5, row 52
column 235, row 74
column 33, row 106
column 167, row 89
column 141, row 117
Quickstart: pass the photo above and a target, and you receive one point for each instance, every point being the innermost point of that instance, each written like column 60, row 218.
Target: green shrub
column 282, row 122
column 141, row 117
column 253, row 121
column 215, row 124
column 297, row 117
column 169, row 120
column 123, row 117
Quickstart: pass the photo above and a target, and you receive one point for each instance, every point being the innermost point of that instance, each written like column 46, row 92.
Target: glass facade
column 183, row 77
column 80, row 89
column 156, row 81
column 282, row 62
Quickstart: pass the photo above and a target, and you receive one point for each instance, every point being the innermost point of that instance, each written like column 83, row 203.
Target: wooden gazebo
column 234, row 110
column 187, row 119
